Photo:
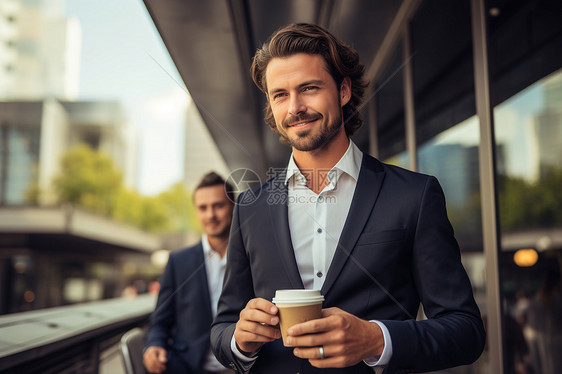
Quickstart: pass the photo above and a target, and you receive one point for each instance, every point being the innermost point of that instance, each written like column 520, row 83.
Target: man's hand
column 345, row 338
column 154, row 359
column 257, row 325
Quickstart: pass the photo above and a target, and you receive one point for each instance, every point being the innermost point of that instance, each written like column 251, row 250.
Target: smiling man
column 178, row 334
column 374, row 238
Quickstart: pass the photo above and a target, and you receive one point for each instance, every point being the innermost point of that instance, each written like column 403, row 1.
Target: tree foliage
column 141, row 211
column 90, row 180
column 178, row 203
column 525, row 204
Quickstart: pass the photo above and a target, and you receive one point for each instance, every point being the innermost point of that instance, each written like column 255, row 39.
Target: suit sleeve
column 163, row 318
column 454, row 333
column 237, row 291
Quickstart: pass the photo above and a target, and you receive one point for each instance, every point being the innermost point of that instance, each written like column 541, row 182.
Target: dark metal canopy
column 212, row 42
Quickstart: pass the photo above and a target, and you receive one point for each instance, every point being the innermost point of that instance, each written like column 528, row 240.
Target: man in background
column 178, row 334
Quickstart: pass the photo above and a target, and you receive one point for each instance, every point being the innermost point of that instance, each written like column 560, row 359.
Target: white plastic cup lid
column 297, row 296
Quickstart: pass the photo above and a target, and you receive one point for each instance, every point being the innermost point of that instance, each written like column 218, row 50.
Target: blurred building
column 39, row 51
column 51, row 255
column 548, row 126
column 35, row 134
column 104, row 127
column 201, row 152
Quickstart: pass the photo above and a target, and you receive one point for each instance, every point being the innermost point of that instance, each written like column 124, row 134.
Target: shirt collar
column 208, row 251
column 206, row 246
column 349, row 163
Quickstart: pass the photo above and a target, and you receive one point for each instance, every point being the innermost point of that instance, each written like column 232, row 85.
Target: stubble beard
column 305, row 142
column 224, row 232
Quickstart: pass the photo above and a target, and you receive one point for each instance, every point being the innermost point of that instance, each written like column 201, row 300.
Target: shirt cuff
column 386, row 355
column 241, row 356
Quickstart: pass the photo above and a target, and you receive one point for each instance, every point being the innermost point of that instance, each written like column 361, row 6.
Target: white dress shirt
column 316, row 221
column 215, row 267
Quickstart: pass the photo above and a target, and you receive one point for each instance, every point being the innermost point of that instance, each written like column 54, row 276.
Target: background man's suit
column 183, row 302
column 397, row 249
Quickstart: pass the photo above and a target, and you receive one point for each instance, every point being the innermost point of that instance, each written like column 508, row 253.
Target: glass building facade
column 19, row 162
column 477, row 102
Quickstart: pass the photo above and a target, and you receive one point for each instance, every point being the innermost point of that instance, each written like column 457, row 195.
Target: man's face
column 214, row 210
column 305, row 100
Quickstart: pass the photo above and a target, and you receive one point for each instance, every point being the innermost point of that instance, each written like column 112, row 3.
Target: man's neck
column 218, row 244
column 324, row 158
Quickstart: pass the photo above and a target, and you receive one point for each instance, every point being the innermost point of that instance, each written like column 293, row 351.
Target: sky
column 123, row 58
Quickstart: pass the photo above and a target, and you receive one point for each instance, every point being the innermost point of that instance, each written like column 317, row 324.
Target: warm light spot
column 20, row 267
column 525, row 257
column 494, row 12
column 29, row 296
column 160, row 258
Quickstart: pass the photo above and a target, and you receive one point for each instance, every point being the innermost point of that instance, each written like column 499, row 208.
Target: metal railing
column 68, row 339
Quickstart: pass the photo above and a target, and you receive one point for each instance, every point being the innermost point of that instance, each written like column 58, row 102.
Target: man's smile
column 302, row 122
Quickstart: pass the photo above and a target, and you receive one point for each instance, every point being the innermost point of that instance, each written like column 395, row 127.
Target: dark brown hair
column 341, row 61
column 213, row 179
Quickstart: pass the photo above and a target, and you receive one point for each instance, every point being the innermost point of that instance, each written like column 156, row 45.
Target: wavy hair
column 341, row 61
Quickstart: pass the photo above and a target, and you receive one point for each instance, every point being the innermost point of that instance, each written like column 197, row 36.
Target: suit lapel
column 369, row 183
column 278, row 211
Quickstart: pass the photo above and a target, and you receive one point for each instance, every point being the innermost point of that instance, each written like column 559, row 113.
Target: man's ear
column 345, row 91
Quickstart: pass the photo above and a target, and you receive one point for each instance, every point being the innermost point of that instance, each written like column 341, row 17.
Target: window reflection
column 452, row 156
column 529, row 140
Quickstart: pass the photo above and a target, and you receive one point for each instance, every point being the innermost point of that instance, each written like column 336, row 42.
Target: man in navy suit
column 374, row 238
column 178, row 336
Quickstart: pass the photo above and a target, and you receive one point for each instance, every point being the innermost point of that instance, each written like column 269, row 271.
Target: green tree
column 178, row 203
column 88, row 179
column 525, row 205
column 140, row 211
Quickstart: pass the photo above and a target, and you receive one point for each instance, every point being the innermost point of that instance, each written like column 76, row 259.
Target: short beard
column 305, row 143
column 223, row 233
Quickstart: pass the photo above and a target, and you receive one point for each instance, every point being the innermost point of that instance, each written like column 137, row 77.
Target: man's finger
column 331, row 311
column 259, row 316
column 258, row 329
column 314, row 326
column 262, row 304
column 312, row 353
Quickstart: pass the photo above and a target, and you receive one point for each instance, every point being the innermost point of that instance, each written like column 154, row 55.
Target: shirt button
column 319, row 231
column 319, row 274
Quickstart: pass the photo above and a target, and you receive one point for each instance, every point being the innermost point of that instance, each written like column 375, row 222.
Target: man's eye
column 310, row 88
column 278, row 95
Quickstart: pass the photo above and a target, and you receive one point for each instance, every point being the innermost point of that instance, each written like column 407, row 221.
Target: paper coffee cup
column 297, row 306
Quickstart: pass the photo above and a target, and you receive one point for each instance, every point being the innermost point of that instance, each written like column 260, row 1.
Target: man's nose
column 296, row 105
column 212, row 213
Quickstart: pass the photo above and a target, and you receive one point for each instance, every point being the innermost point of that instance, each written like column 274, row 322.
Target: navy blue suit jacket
column 397, row 249
column 182, row 319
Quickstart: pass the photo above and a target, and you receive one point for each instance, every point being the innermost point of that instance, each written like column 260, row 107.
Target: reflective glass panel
column 529, row 150
column 452, row 156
